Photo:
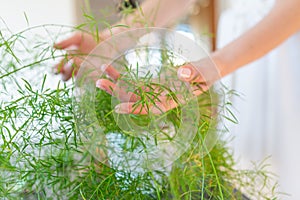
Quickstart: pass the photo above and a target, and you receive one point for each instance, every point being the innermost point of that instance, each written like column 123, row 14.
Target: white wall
column 38, row 12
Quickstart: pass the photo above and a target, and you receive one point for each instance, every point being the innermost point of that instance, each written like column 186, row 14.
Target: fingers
column 106, row 85
column 131, row 101
column 200, row 75
column 134, row 108
column 83, row 44
column 110, row 71
column 67, row 67
column 143, row 109
column 67, row 71
column 59, row 68
column 73, row 40
column 199, row 88
column 114, row 90
column 189, row 73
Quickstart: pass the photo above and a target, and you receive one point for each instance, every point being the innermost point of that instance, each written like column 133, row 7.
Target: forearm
column 282, row 21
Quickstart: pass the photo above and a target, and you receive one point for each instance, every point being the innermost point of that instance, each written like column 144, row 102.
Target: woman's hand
column 199, row 75
column 81, row 44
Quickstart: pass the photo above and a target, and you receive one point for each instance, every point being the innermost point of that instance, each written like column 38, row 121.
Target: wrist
column 220, row 64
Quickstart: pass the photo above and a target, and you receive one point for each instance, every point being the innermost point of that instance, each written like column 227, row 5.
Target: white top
column 268, row 109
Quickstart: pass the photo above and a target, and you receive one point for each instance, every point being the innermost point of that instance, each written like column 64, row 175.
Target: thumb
column 189, row 73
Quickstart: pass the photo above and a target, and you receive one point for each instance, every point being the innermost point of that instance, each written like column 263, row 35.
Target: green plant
column 42, row 156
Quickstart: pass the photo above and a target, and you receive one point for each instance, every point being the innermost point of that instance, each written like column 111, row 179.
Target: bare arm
column 282, row 21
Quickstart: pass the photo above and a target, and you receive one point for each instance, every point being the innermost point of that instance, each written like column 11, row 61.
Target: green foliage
column 42, row 156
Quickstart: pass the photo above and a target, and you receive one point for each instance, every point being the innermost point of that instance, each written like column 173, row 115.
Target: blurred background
column 13, row 13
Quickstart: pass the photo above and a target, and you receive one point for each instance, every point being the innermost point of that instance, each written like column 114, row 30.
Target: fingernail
column 103, row 67
column 184, row 73
column 121, row 109
column 99, row 85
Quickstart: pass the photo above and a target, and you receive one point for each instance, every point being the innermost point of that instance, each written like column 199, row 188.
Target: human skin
column 153, row 13
column 282, row 21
